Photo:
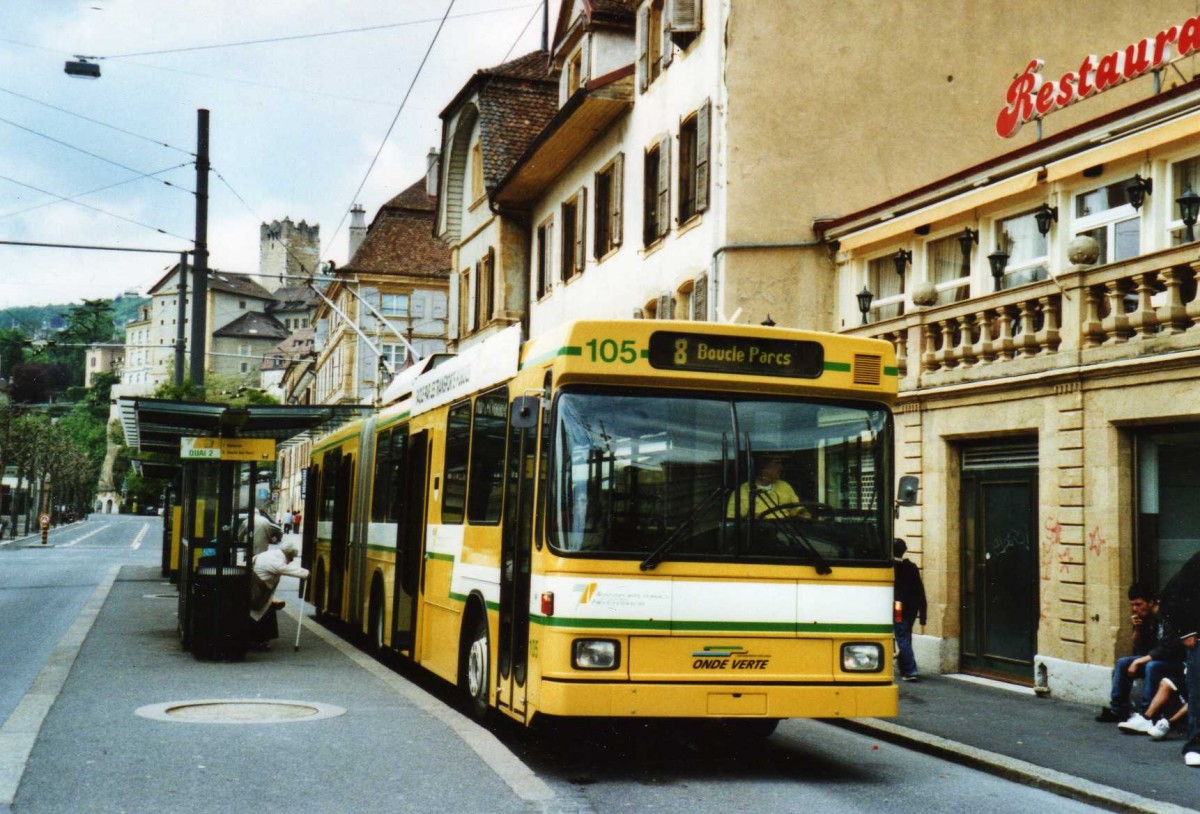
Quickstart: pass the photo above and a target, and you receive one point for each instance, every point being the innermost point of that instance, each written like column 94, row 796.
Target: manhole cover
column 239, row 711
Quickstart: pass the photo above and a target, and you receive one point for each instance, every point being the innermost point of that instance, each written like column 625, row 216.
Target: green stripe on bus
column 433, row 555
column 838, row 367
column 724, row 627
column 887, row 371
column 570, row 350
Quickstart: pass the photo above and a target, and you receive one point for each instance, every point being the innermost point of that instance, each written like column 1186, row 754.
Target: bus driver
column 770, row 492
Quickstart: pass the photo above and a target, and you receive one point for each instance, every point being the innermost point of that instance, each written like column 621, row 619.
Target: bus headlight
column 862, row 657
column 595, row 654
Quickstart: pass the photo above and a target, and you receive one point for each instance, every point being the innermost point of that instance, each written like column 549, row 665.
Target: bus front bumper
column 632, row 700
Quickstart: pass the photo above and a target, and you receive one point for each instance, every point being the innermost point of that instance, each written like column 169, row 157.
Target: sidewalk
column 78, row 742
column 1040, row 741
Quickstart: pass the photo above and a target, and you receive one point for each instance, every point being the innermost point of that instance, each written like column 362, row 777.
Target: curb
column 1060, row 783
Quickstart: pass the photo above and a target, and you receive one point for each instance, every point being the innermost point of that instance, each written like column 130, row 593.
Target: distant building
column 104, row 357
column 402, row 271
column 287, row 253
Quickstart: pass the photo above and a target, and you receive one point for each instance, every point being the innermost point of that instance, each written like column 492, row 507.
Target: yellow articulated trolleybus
column 625, row 519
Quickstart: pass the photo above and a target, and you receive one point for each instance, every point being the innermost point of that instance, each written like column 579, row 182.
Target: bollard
column 44, row 520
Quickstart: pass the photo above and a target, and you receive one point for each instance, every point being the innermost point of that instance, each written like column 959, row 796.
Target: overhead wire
column 293, row 37
column 97, row 121
column 95, row 208
column 391, row 126
column 70, row 146
column 71, row 199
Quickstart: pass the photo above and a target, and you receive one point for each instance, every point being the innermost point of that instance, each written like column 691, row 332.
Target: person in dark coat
column 1144, row 620
column 1179, row 606
column 910, row 608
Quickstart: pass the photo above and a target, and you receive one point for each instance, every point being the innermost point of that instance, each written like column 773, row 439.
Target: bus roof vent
column 868, row 369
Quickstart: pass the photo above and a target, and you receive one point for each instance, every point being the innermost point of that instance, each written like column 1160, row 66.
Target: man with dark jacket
column 1180, row 608
column 1145, row 622
column 910, row 606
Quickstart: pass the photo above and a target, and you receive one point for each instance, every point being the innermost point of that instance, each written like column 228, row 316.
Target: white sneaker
column 1136, row 725
column 1161, row 728
column 1191, row 758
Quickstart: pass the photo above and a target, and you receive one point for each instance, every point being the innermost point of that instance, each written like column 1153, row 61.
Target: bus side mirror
column 524, row 412
column 906, row 493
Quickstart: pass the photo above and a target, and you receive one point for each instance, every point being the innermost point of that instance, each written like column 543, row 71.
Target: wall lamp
column 901, row 258
column 1137, row 190
column 998, row 260
column 968, row 237
column 864, row 298
column 1189, row 208
column 1045, row 215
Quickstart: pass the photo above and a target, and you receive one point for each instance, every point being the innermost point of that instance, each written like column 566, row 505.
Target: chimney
column 358, row 228
column 431, row 173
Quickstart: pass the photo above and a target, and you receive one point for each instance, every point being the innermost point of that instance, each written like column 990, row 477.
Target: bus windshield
column 704, row 478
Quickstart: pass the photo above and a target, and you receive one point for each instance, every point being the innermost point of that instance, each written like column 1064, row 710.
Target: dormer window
column 652, row 43
column 476, row 171
column 574, row 72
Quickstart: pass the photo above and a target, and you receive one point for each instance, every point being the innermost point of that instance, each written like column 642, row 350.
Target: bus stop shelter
column 221, row 457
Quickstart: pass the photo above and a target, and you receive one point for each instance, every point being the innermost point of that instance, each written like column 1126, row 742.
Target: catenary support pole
column 181, row 319
column 200, row 275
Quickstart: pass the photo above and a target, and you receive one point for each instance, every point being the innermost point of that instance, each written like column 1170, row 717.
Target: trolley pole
column 181, row 318
column 200, row 286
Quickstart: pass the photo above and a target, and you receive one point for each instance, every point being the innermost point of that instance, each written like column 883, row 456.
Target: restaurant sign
column 1031, row 96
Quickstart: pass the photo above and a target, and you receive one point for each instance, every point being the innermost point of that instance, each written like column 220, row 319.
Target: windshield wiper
column 790, row 528
column 674, row 537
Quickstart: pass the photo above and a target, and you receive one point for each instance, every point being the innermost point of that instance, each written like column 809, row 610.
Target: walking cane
column 300, row 618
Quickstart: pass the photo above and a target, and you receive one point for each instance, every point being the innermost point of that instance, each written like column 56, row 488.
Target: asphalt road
column 43, row 588
column 590, row 766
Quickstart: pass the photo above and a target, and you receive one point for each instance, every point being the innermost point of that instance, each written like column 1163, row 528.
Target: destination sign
column 738, row 355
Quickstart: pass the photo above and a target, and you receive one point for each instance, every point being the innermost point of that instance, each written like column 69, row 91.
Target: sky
column 294, row 124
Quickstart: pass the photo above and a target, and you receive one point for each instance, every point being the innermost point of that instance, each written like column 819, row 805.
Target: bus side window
column 485, row 490
column 458, row 445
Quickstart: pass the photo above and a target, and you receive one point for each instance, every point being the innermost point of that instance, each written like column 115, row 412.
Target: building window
column 244, row 367
column 574, row 223
column 574, row 72
column 887, row 286
column 486, row 286
column 243, row 350
column 609, row 191
column 693, row 163
column 395, row 354
column 656, row 191
column 394, row 305
column 242, row 304
column 1184, row 175
column 1106, row 215
column 948, row 271
column 650, row 43
column 464, row 301
column 545, row 239
column 1028, row 250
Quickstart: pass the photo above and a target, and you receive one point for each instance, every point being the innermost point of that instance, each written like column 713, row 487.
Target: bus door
column 339, row 533
column 410, row 539
column 359, row 528
column 310, row 494
column 516, row 554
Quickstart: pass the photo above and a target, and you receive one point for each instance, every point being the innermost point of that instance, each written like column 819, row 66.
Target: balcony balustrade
column 1144, row 307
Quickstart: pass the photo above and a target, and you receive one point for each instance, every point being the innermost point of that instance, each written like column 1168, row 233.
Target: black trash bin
column 220, row 611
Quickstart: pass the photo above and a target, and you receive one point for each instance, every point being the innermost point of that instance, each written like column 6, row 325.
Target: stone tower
column 287, row 252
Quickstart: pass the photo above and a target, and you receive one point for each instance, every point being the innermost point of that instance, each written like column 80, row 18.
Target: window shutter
column 490, row 281
column 416, row 304
column 549, row 257
column 643, row 48
column 585, row 72
column 366, row 319
column 703, row 128
column 700, row 299
column 667, row 47
column 616, row 192
column 581, row 230
column 475, row 298
column 666, row 306
column 684, row 16
column 664, row 185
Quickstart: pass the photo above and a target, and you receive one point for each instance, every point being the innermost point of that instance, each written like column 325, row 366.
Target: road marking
column 84, row 537
column 137, row 542
column 20, row 731
column 519, row 777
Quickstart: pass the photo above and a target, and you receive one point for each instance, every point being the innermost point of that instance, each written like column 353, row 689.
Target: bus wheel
column 475, row 669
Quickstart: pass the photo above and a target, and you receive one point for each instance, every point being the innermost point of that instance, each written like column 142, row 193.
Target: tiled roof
column 254, row 325
column 534, row 65
column 292, row 299
column 400, row 240
column 511, row 114
column 227, row 281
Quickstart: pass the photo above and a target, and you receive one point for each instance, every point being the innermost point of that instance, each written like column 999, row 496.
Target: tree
column 12, row 350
